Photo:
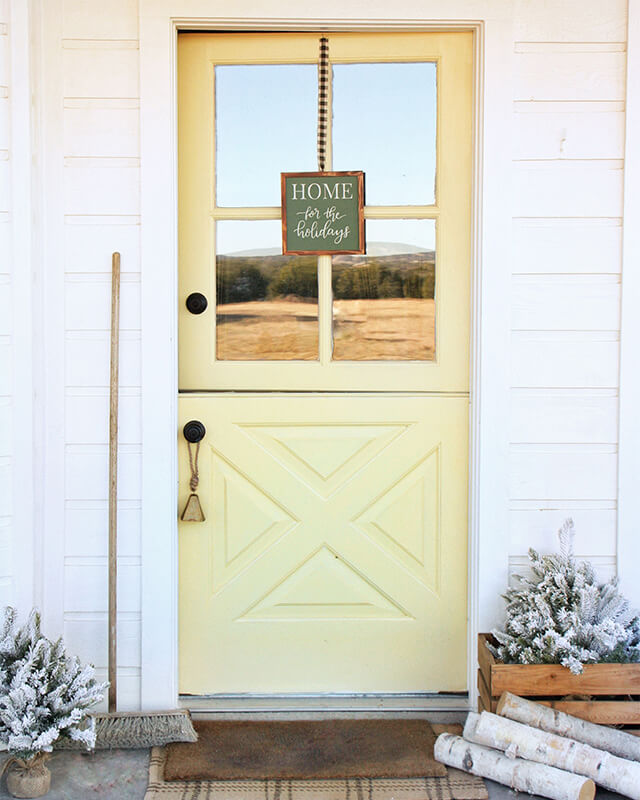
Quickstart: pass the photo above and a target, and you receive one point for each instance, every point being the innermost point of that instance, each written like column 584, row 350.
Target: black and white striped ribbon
column 323, row 102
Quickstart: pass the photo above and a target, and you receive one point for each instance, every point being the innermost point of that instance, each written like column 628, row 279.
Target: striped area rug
column 456, row 785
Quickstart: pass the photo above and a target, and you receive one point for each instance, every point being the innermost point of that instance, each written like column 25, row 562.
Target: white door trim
column 491, row 270
column 628, row 544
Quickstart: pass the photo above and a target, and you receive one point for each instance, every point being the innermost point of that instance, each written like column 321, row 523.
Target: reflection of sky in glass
column 391, row 236
column 265, row 125
column 384, row 123
column 238, row 236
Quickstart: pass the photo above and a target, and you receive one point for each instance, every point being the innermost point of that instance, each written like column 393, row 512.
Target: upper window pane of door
column 265, row 125
column 385, row 124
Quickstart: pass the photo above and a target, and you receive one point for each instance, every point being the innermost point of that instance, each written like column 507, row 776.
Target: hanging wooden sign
column 322, row 213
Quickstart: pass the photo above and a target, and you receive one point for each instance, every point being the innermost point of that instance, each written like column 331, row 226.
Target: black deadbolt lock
column 197, row 303
column 194, row 431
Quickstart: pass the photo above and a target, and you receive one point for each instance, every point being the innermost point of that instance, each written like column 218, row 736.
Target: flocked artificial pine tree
column 44, row 693
column 562, row 615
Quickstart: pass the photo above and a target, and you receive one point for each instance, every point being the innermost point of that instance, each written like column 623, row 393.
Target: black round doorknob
column 197, row 303
column 194, row 431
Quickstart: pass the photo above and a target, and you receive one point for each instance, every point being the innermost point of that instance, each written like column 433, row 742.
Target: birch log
column 616, row 774
column 547, row 719
column 523, row 776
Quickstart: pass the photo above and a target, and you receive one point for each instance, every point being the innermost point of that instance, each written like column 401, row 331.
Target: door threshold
column 239, row 704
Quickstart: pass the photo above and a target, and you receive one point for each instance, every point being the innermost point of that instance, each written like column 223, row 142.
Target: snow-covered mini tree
column 44, row 693
column 562, row 615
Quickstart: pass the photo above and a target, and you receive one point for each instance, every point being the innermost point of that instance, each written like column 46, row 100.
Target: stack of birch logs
column 532, row 748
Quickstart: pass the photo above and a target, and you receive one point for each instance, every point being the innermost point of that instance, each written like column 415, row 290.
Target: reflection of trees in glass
column 419, row 283
column 356, row 282
column 299, row 277
column 410, row 275
column 242, row 279
column 239, row 282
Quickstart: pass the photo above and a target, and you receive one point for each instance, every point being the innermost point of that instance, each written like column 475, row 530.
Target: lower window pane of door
column 384, row 301
column 267, row 303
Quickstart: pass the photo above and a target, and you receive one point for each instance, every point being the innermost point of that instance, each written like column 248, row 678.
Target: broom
column 129, row 728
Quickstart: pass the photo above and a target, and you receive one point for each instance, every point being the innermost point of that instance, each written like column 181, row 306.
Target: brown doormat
column 305, row 750
column 455, row 785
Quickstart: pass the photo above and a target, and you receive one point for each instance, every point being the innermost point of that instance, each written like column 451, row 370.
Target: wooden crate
column 613, row 689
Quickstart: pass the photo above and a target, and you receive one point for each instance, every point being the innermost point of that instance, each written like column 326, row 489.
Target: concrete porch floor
column 122, row 774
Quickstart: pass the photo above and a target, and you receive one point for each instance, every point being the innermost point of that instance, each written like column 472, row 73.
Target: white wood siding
column 6, row 321
column 570, row 21
column 568, row 173
column 101, row 164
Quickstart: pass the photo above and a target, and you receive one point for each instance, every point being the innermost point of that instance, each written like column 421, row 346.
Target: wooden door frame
column 160, row 21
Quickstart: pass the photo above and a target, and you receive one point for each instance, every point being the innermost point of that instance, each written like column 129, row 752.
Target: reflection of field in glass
column 364, row 330
column 281, row 330
column 393, row 329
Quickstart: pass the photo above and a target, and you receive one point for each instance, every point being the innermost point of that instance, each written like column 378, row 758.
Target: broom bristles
column 137, row 729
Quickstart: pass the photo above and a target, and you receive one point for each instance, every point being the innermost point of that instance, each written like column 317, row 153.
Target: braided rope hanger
column 193, row 465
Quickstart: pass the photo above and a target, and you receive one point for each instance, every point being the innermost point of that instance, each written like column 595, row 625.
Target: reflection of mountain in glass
column 373, row 249
column 387, row 270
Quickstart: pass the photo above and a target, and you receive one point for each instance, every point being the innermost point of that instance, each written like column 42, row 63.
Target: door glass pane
column 267, row 303
column 385, row 124
column 384, row 301
column 265, row 125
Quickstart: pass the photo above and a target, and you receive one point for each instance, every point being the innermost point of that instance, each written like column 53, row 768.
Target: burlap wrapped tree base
column 28, row 777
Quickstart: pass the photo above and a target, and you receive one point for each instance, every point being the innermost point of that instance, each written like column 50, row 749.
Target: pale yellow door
column 334, row 391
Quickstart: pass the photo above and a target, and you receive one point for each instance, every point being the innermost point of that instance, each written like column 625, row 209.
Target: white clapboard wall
column 568, row 173
column 101, row 207
column 568, row 108
column 6, row 321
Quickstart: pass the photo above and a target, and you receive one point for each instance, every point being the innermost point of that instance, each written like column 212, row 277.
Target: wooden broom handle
column 113, row 480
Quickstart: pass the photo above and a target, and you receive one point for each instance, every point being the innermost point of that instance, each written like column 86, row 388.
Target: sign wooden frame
column 320, row 208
